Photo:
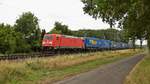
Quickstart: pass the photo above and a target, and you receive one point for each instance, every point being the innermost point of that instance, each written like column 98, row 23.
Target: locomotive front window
column 48, row 37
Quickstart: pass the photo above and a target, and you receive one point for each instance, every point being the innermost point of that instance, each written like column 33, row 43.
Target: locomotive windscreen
column 48, row 37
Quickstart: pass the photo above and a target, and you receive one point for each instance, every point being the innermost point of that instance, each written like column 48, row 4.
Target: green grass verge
column 49, row 70
column 141, row 73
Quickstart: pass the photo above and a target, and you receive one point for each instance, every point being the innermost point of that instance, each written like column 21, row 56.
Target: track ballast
column 25, row 56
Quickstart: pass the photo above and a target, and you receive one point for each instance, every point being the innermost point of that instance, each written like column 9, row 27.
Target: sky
column 68, row 12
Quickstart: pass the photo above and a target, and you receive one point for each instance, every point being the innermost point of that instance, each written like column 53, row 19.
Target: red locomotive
column 57, row 41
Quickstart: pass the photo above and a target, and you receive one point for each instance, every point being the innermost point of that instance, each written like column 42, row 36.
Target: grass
column 141, row 73
column 49, row 70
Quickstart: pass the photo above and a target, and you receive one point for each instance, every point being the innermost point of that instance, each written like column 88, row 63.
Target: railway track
column 25, row 56
column 37, row 55
column 33, row 55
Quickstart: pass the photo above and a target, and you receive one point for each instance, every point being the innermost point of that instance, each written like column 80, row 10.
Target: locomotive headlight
column 50, row 42
column 43, row 43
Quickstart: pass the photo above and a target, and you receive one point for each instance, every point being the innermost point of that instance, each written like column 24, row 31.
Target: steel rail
column 25, row 56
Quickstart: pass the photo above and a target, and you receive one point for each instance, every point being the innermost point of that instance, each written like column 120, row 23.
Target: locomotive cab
column 51, row 41
column 47, row 40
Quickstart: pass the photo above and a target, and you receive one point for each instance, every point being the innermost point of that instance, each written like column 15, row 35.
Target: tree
column 28, row 26
column 7, row 41
column 59, row 28
column 108, row 34
column 132, row 15
column 11, row 41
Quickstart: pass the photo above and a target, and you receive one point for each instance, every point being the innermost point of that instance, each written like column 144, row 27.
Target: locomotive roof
column 67, row 36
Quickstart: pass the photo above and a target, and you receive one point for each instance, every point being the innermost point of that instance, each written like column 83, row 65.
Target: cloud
column 48, row 11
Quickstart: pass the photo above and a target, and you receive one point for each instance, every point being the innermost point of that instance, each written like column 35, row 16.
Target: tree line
column 26, row 36
column 109, row 34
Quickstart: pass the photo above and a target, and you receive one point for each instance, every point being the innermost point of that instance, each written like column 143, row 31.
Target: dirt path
column 114, row 73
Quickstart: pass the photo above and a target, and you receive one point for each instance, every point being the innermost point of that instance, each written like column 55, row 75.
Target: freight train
column 58, row 41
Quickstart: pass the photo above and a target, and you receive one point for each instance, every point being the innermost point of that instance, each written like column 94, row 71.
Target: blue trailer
column 91, row 42
column 97, row 43
column 119, row 45
column 106, row 44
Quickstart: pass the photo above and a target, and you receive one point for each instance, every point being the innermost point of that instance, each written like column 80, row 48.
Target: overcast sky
column 68, row 12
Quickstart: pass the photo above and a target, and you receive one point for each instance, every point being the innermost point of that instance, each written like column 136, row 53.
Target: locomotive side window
column 48, row 37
